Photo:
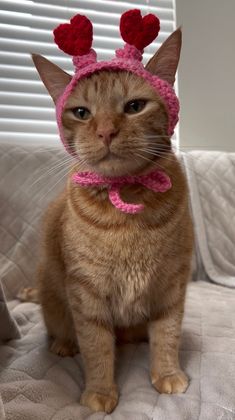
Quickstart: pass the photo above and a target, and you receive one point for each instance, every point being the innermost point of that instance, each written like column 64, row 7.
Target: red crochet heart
column 137, row 30
column 74, row 38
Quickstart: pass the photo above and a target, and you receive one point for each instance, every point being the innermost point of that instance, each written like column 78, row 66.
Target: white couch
column 37, row 385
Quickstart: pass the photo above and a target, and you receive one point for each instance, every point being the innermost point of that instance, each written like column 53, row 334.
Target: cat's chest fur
column 121, row 265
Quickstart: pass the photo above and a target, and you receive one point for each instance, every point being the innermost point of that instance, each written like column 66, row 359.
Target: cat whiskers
column 82, row 164
column 156, row 136
column 157, row 164
column 153, row 144
column 41, row 149
column 154, row 139
column 169, row 156
column 54, row 185
column 65, row 162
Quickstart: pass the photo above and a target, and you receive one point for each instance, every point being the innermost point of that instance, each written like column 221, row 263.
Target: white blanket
column 37, row 385
column 211, row 178
column 30, row 176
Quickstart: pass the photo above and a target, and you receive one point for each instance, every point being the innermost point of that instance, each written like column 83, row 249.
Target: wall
column 207, row 74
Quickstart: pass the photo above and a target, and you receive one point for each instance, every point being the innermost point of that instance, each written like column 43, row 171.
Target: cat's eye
column 134, row 106
column 81, row 113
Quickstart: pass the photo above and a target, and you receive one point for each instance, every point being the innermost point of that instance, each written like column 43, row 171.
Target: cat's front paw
column 97, row 401
column 171, row 384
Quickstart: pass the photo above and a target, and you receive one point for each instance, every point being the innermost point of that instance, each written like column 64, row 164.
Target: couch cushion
column 36, row 384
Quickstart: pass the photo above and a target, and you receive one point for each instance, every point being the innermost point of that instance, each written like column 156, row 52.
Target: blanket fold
column 38, row 385
column 8, row 327
column 211, row 177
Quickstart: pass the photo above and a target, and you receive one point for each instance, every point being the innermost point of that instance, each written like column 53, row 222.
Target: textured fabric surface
column 211, row 178
column 28, row 183
column 157, row 181
column 8, row 327
column 37, row 385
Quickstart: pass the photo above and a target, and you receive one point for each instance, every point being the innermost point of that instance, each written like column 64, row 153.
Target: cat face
column 114, row 120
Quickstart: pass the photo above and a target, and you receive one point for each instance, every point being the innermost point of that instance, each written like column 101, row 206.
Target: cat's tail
column 29, row 294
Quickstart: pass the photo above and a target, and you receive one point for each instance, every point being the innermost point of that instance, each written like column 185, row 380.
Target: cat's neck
column 94, row 203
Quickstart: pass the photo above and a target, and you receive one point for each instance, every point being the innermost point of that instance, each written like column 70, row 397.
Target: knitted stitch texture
column 156, row 181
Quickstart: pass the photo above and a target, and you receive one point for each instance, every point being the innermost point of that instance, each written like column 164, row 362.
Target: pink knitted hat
column 75, row 38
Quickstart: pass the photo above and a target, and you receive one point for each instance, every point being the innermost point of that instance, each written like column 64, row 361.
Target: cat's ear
column 165, row 62
column 54, row 78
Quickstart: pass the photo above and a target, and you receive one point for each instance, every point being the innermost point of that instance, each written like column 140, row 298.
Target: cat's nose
column 107, row 134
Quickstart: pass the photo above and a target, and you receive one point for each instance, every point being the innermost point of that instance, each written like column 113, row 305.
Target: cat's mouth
column 110, row 156
column 111, row 164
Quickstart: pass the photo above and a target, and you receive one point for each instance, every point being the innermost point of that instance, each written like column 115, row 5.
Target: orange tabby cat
column 104, row 274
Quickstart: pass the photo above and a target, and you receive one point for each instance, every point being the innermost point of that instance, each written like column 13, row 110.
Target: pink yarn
column 80, row 61
column 129, row 52
column 156, row 181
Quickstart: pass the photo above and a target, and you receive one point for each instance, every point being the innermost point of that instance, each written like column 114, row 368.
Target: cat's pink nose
column 107, row 134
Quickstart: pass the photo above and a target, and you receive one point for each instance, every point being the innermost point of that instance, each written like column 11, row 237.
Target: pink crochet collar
column 157, row 181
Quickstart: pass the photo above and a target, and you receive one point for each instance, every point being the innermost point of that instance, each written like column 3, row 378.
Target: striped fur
column 104, row 274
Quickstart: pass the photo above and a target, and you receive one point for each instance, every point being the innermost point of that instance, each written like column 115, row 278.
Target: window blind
column 26, row 110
